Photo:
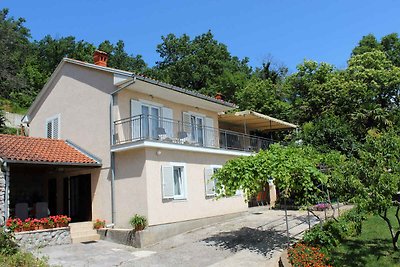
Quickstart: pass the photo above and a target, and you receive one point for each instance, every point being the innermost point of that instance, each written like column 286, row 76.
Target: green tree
column 2, row 121
column 368, row 43
column 120, row 59
column 202, row 64
column 378, row 170
column 14, row 47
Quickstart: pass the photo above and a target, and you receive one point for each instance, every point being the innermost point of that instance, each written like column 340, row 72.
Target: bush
column 333, row 232
column 22, row 259
column 7, row 245
column 301, row 255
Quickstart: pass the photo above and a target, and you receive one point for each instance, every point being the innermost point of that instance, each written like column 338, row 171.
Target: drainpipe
column 6, row 169
column 112, row 155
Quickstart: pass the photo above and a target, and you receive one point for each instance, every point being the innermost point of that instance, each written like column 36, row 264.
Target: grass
column 22, row 259
column 370, row 249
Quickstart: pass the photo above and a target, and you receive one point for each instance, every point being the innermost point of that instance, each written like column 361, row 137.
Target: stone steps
column 83, row 232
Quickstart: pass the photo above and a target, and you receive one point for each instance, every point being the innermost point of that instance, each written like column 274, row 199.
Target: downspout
column 6, row 169
column 112, row 155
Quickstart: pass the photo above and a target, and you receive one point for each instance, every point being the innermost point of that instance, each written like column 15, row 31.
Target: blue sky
column 289, row 31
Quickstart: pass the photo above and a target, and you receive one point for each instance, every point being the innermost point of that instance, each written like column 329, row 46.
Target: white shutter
column 186, row 122
column 209, row 181
column 168, row 123
column 209, row 133
column 136, row 109
column 167, row 173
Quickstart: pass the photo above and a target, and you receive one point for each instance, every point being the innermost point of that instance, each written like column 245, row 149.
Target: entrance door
column 52, row 196
column 77, row 197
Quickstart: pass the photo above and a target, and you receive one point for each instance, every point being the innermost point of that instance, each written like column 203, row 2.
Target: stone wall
column 42, row 238
column 2, row 197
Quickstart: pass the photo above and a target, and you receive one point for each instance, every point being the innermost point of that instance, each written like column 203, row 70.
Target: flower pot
column 139, row 227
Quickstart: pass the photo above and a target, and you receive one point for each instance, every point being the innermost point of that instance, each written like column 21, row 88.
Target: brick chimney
column 100, row 58
column 219, row 96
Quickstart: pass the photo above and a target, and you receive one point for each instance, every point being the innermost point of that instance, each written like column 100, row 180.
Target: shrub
column 138, row 222
column 7, row 245
column 320, row 237
column 301, row 255
column 22, row 259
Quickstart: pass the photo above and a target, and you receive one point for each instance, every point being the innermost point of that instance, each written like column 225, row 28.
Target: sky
column 286, row 31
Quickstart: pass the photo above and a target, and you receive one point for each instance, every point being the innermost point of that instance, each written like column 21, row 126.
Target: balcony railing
column 147, row 127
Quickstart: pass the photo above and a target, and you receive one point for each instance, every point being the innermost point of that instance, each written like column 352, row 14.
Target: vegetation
column 138, row 222
column 11, row 256
column 301, row 255
column 369, row 249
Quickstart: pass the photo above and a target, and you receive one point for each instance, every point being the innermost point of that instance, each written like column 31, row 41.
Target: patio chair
column 41, row 210
column 21, row 211
column 162, row 135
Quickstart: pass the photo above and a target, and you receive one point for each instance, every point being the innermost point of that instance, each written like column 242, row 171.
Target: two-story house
column 158, row 145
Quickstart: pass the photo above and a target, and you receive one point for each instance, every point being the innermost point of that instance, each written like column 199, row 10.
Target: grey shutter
column 209, row 181
column 56, row 129
column 186, row 122
column 167, row 122
column 167, row 173
column 49, row 129
column 209, row 133
column 136, row 110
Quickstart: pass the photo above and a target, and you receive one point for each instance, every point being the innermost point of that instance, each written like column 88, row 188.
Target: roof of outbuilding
column 43, row 151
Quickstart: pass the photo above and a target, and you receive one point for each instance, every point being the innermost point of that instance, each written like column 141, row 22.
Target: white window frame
column 203, row 119
column 213, row 167
column 183, row 195
column 50, row 119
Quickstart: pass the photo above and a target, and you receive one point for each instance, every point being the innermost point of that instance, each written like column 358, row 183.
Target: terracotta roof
column 43, row 151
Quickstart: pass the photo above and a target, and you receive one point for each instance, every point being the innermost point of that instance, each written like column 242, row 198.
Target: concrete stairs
column 83, row 232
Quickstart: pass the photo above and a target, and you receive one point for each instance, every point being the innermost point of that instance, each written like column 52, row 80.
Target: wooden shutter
column 167, row 173
column 135, row 124
column 168, row 123
column 209, row 133
column 209, row 181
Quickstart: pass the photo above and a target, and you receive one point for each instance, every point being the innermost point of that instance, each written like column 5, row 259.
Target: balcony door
column 150, row 121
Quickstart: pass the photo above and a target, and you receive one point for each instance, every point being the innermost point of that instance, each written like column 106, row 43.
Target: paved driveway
column 256, row 238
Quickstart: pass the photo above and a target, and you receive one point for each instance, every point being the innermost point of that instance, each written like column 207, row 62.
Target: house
column 153, row 147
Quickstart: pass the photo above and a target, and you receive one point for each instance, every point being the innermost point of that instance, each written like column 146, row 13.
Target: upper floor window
column 53, row 127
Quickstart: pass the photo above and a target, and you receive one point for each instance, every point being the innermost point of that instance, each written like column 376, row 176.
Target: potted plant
column 15, row 225
column 99, row 224
column 138, row 222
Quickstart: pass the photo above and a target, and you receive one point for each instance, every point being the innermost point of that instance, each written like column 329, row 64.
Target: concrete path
column 255, row 239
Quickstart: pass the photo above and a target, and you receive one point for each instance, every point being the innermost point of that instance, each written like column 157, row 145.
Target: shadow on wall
column 259, row 241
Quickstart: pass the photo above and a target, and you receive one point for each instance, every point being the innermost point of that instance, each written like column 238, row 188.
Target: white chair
column 41, row 210
column 21, row 211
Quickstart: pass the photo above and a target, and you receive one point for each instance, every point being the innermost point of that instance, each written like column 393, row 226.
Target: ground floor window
column 174, row 181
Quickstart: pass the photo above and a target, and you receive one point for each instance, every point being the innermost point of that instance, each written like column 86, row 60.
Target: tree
column 378, row 170
column 2, row 121
column 119, row 58
column 14, row 47
column 202, row 64
column 367, row 43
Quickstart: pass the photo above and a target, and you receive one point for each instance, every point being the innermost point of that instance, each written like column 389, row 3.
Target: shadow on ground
column 260, row 241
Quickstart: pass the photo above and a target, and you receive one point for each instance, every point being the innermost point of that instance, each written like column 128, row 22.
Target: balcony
column 151, row 128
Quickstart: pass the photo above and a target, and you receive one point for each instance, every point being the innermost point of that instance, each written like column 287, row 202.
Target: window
column 53, row 127
column 174, row 181
column 210, row 182
column 150, row 121
column 193, row 125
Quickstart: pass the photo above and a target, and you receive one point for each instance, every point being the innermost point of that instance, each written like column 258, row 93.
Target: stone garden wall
column 2, row 197
column 42, row 238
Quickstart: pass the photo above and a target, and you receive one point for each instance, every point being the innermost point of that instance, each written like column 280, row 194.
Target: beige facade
column 81, row 97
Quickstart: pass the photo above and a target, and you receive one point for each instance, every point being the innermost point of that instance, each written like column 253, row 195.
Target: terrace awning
column 251, row 121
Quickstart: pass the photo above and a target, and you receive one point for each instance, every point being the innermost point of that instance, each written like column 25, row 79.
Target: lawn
column 372, row 248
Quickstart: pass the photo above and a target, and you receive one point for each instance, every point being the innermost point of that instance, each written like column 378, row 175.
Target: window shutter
column 210, row 133
column 136, row 110
column 56, row 129
column 186, row 122
column 168, row 123
column 167, row 182
column 209, row 182
column 49, row 128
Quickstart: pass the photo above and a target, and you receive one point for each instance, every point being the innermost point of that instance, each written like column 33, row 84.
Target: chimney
column 219, row 96
column 100, row 58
